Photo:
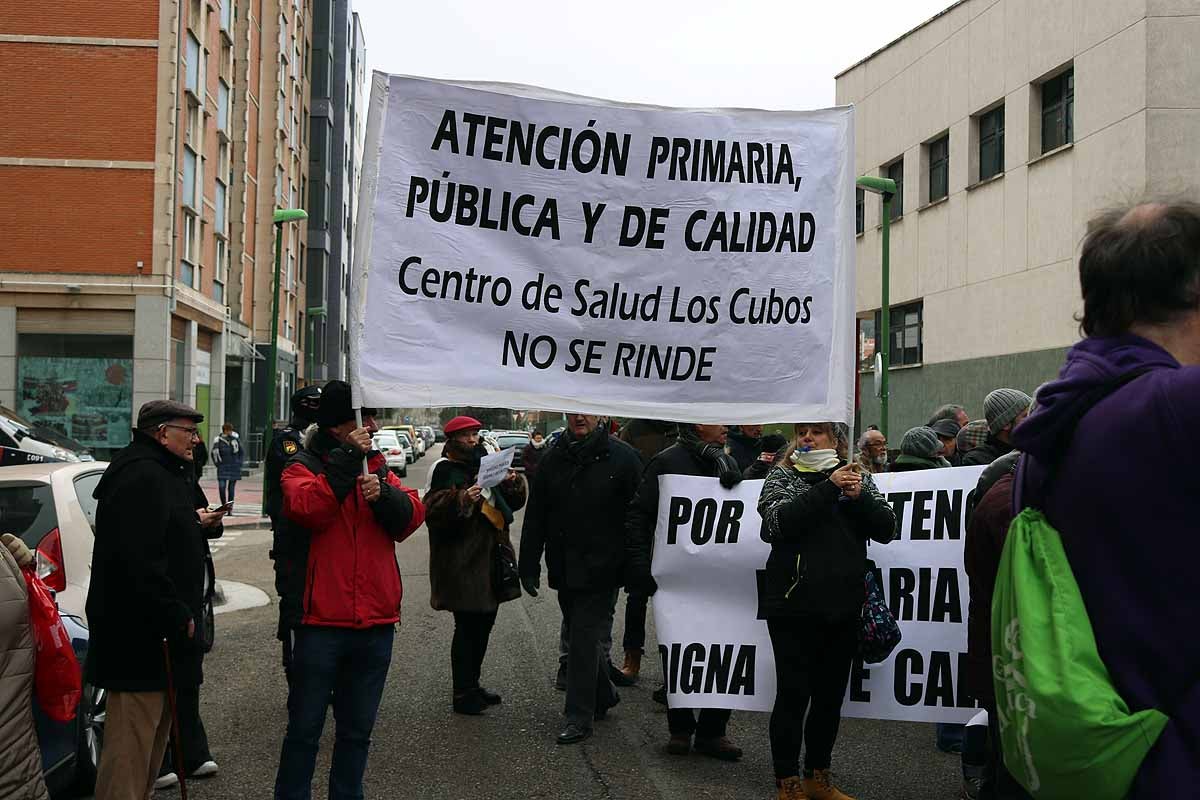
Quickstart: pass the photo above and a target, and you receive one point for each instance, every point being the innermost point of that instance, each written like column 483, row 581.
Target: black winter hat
column 335, row 405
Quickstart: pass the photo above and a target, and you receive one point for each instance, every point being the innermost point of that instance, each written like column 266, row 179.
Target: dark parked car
column 517, row 439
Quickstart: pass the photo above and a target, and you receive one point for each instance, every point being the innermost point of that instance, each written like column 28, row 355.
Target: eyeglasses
column 190, row 431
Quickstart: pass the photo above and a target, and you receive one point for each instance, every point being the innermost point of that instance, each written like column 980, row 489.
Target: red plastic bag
column 57, row 680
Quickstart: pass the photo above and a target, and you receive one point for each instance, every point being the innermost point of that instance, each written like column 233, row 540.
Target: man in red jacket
column 351, row 602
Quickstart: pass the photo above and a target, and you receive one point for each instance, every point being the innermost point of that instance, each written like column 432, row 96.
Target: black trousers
column 588, row 617
column 193, row 739
column 998, row 782
column 711, row 724
column 812, row 668
column 471, row 633
column 635, row 622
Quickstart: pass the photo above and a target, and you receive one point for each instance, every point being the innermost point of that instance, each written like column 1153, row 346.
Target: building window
column 219, row 201
column 904, row 344
column 224, row 163
column 895, row 171
column 189, row 177
column 227, row 16
column 859, row 210
column 189, row 250
column 192, row 65
column 1058, row 111
column 939, row 168
column 220, row 270
column 279, row 187
column 991, row 143
column 223, row 106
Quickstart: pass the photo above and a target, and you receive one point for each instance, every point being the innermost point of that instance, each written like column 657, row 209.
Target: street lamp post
column 885, row 187
column 281, row 217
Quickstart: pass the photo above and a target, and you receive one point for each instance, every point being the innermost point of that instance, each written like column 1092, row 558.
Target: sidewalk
column 247, row 506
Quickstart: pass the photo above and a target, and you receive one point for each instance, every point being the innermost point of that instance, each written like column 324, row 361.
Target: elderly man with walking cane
column 147, row 589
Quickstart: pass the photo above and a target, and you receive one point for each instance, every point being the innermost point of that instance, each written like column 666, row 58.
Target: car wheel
column 91, row 717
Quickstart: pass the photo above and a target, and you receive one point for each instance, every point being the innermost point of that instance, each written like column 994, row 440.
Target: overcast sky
column 753, row 53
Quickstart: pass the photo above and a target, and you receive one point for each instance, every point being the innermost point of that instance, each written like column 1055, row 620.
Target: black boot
column 469, row 702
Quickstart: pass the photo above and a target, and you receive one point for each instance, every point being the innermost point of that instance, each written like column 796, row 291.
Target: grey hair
column 948, row 411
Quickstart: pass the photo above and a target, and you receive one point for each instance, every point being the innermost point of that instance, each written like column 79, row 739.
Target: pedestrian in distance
column 227, row 456
column 649, row 437
column 20, row 758
column 982, row 548
column 1111, row 480
column 699, row 451
column 531, row 456
column 468, row 531
column 575, row 517
column 147, row 587
column 1004, row 410
column 970, row 436
column 773, row 446
column 921, row 448
column 951, row 411
column 744, row 443
column 351, row 597
column 199, row 459
column 289, row 542
column 873, row 451
column 818, row 511
column 947, row 431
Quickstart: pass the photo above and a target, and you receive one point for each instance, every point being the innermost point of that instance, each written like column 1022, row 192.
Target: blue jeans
column 226, row 489
column 348, row 669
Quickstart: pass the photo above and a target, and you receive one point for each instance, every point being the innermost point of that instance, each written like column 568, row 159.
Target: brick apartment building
column 145, row 143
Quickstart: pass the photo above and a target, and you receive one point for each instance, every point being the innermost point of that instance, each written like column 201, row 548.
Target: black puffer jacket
column 576, row 513
column 818, row 543
column 642, row 519
column 147, row 571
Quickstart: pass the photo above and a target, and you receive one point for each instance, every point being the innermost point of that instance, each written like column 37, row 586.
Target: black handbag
column 506, row 582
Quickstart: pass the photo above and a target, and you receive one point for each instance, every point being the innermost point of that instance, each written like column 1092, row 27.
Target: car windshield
column 41, row 433
column 384, row 439
column 507, row 440
column 404, row 438
column 27, row 510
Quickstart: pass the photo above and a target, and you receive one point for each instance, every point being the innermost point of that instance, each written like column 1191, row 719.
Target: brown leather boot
column 633, row 665
column 820, row 787
column 791, row 788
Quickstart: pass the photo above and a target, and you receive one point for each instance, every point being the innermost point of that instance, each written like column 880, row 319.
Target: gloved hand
column 727, row 469
column 643, row 584
column 530, row 584
column 20, row 552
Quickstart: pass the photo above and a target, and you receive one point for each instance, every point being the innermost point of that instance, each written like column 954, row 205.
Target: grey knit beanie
column 1002, row 406
column 922, row 442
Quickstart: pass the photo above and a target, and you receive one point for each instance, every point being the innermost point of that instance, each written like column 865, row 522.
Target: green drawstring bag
column 1065, row 730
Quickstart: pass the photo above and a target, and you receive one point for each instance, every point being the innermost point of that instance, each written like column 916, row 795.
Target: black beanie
column 335, row 405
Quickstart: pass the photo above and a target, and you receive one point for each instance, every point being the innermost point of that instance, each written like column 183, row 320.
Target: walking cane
column 178, row 749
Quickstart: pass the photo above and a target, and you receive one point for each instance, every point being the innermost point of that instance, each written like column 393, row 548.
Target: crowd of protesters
column 1097, row 448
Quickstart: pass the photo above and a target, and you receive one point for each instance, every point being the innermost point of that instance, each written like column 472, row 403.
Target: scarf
column 713, row 454
column 536, row 444
column 815, row 460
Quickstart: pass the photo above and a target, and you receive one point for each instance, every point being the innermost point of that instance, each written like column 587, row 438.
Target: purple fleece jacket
column 1127, row 503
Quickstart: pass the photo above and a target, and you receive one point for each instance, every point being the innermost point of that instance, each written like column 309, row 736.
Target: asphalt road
column 422, row 750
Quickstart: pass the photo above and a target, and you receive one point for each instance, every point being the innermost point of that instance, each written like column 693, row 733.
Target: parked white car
column 394, row 451
column 408, row 445
column 21, row 434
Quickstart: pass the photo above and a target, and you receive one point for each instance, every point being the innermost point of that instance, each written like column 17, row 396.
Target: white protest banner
column 710, row 597
column 530, row 249
column 493, row 467
column 922, row 576
column 716, row 653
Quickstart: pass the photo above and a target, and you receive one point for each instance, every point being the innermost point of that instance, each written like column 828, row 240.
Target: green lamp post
column 282, row 216
column 885, row 187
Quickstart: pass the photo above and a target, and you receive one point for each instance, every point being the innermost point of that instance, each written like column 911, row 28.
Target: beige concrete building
column 1009, row 123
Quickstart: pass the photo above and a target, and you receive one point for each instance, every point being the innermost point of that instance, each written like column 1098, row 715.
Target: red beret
column 461, row 424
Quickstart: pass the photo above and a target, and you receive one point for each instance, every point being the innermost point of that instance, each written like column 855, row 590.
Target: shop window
column 1058, row 111
column 859, row 210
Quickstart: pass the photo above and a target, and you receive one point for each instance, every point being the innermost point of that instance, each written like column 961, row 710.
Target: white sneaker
column 166, row 781
column 205, row 770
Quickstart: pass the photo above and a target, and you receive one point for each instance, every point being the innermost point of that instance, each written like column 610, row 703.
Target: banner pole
column 358, row 422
